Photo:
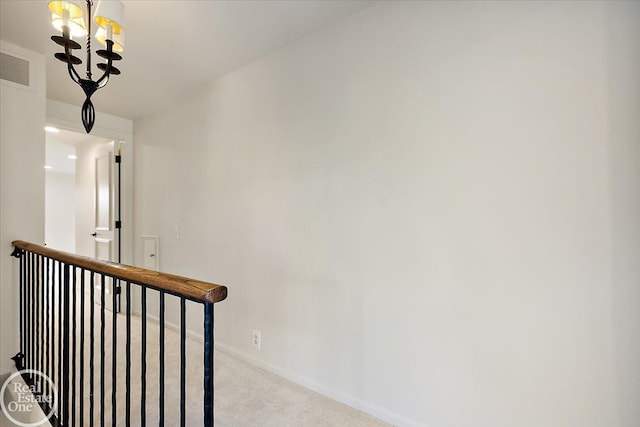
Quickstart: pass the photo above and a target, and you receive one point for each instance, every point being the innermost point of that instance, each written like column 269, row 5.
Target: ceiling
column 173, row 47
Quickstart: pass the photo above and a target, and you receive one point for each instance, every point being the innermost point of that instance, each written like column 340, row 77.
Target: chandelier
column 68, row 17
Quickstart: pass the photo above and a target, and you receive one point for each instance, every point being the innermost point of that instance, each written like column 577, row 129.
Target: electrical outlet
column 255, row 339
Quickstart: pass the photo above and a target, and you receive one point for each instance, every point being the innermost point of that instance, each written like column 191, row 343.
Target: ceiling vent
column 13, row 69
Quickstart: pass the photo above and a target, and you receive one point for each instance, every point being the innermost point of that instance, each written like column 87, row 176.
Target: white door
column 106, row 203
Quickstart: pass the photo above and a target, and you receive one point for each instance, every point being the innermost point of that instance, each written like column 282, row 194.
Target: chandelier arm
column 105, row 75
column 72, row 71
column 107, row 71
column 102, row 82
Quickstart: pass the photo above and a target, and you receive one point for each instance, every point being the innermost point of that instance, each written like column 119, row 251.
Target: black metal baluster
column 143, row 361
column 81, row 411
column 65, row 352
column 52, row 322
column 102, row 320
column 27, row 305
column 34, row 336
column 31, row 313
column 42, row 318
column 128, row 350
column 161, row 356
column 208, row 364
column 20, row 362
column 114, row 342
column 92, row 344
column 183, row 361
column 45, row 329
column 36, row 315
column 45, row 322
column 25, row 313
column 60, row 333
column 37, row 309
column 73, row 346
column 43, row 304
column 34, row 301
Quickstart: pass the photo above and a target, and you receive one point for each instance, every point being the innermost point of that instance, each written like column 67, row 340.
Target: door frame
column 67, row 116
column 107, row 231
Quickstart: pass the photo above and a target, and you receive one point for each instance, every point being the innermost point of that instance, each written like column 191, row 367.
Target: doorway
column 82, row 198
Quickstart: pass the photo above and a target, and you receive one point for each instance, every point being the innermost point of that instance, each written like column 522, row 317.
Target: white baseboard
column 358, row 404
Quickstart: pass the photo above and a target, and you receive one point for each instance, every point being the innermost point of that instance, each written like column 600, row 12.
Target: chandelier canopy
column 68, row 17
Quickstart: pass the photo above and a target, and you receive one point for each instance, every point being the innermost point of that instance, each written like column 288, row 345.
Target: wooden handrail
column 177, row 285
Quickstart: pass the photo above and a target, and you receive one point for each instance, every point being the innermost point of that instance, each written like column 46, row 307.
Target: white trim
column 156, row 240
column 361, row 405
column 67, row 116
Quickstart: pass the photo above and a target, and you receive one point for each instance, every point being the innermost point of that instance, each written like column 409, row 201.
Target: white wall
column 22, row 118
column 422, row 210
column 623, row 59
column 60, row 212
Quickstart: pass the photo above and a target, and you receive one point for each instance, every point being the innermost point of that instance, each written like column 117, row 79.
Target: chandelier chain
column 89, row 4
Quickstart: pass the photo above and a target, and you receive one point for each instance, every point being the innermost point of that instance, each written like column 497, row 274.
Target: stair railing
column 52, row 304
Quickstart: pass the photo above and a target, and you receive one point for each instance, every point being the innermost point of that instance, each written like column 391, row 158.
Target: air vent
column 14, row 69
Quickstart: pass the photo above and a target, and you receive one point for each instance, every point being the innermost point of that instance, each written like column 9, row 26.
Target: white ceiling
column 173, row 47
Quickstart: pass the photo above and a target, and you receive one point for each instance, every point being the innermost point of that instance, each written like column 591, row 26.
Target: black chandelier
column 68, row 17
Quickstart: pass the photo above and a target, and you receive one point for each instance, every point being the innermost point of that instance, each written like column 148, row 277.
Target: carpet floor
column 244, row 394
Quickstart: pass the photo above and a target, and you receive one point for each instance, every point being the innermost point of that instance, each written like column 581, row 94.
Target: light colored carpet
column 244, row 394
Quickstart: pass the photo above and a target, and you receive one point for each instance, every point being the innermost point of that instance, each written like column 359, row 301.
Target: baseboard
column 319, row 388
column 358, row 404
